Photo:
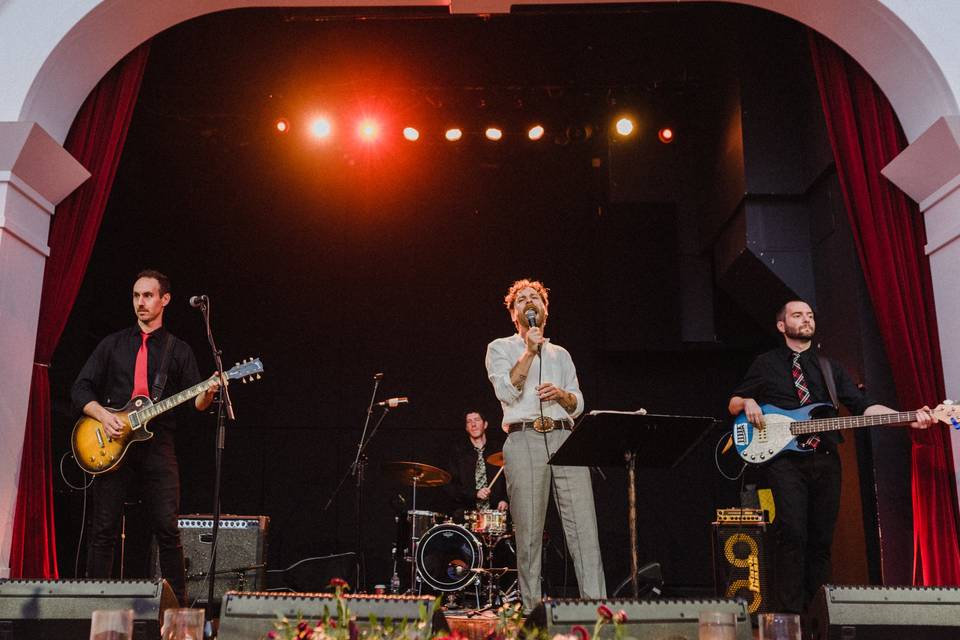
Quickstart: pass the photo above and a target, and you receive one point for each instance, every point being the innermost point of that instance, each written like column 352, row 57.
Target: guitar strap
column 160, row 380
column 827, row 371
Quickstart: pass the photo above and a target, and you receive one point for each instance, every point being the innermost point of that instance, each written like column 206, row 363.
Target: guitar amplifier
column 241, row 554
column 743, row 556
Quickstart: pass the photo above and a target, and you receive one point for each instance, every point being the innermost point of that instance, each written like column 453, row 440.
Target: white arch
column 53, row 52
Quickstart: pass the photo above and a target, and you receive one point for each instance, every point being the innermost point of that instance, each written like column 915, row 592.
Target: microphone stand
column 224, row 412
column 358, row 470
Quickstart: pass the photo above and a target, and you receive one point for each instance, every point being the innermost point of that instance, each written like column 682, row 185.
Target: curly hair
column 519, row 286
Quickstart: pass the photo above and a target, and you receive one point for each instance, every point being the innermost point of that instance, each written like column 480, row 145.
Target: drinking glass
column 182, row 624
column 718, row 625
column 779, row 626
column 111, row 624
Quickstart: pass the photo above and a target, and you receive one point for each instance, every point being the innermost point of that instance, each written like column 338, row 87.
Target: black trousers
column 153, row 466
column 806, row 493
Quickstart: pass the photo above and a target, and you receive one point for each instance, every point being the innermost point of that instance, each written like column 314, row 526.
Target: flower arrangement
column 340, row 625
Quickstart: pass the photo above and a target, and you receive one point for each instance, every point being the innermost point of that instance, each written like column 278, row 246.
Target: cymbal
column 426, row 475
column 496, row 459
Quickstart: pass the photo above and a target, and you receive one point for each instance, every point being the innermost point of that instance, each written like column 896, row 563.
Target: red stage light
column 282, row 125
column 368, row 130
column 665, row 135
column 453, row 134
column 321, row 128
column 535, row 132
column 493, row 133
column 411, row 134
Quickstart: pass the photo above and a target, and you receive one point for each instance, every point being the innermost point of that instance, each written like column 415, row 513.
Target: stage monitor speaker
column 251, row 615
column 884, row 613
column 743, row 564
column 676, row 619
column 241, row 554
column 31, row 609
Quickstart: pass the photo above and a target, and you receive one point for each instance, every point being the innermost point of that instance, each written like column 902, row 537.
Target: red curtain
column 889, row 235
column 96, row 140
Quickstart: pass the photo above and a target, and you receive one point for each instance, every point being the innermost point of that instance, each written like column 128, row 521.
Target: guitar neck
column 801, row 427
column 175, row 400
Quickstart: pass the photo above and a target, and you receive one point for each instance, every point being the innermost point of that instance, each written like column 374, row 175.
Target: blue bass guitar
column 784, row 429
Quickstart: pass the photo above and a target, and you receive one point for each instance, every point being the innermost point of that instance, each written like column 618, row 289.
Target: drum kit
column 451, row 558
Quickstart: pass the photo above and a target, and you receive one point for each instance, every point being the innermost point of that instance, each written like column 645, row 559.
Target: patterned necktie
column 480, row 477
column 140, row 384
column 799, row 381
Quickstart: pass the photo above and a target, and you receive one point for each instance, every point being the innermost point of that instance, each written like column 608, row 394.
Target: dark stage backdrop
column 332, row 263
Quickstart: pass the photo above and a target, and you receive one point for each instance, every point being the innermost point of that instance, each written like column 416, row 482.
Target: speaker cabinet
column 676, row 619
column 251, row 615
column 241, row 554
column 884, row 613
column 743, row 564
column 31, row 609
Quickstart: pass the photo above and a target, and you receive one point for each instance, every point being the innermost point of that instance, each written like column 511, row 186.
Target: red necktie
column 140, row 384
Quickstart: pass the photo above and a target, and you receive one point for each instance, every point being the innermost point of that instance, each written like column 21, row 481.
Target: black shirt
column 107, row 376
column 462, row 487
column 769, row 380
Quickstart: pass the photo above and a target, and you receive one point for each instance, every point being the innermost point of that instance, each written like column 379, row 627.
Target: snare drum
column 488, row 521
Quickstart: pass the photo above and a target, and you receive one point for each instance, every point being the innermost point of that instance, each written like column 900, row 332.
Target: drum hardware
column 416, row 474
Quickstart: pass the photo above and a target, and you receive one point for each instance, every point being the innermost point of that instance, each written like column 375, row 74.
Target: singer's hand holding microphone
column 534, row 337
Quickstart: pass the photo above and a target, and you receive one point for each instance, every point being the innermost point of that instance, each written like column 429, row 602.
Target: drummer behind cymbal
column 471, row 474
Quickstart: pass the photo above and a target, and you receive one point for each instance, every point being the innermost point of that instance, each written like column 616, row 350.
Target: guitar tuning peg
column 243, row 380
column 258, row 376
column 237, row 364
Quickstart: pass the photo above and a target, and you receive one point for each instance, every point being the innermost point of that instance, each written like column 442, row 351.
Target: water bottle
column 395, row 584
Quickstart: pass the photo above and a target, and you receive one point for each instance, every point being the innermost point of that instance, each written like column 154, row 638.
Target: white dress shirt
column 522, row 406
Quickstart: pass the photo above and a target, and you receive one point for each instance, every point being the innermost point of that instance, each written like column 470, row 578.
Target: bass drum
column 447, row 557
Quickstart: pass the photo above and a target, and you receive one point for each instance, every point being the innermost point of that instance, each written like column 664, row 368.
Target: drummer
column 472, row 474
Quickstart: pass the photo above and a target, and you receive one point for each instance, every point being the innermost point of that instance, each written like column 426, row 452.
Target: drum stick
column 494, row 481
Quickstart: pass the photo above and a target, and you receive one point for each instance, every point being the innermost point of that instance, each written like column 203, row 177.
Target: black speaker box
column 884, row 613
column 241, row 554
column 32, row 609
column 743, row 564
column 676, row 619
column 251, row 615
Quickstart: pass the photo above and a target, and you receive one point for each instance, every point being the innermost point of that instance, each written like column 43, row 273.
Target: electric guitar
column 782, row 427
column 98, row 453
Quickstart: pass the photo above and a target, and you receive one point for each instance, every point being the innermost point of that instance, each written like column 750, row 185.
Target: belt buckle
column 544, row 425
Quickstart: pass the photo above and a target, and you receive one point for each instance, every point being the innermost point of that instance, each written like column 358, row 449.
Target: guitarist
column 806, row 486
column 141, row 360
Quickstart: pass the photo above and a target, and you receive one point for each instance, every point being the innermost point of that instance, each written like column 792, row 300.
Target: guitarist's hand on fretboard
column 924, row 419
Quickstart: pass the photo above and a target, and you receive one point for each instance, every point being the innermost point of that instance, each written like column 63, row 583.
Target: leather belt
column 547, row 425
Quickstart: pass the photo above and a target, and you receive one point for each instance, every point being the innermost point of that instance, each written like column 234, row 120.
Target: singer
column 143, row 360
column 536, row 383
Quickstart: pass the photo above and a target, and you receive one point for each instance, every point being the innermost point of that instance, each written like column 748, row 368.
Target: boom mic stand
column 358, row 470
column 224, row 412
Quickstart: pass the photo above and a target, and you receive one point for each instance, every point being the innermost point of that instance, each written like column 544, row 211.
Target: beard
column 803, row 332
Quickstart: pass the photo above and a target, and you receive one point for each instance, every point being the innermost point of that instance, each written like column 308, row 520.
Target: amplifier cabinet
column 241, row 554
column 743, row 556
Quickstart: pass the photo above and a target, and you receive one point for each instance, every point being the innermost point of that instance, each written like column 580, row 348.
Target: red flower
column 580, row 631
column 272, row 635
column 339, row 583
column 621, row 617
column 604, row 612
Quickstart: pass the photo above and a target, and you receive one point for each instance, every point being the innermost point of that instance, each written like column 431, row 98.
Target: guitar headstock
column 947, row 413
column 246, row 371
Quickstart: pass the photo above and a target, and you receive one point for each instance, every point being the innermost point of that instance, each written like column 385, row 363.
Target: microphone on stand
column 393, row 403
column 198, row 301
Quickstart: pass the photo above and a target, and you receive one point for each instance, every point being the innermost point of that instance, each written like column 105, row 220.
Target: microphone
column 393, row 403
column 198, row 301
column 531, row 314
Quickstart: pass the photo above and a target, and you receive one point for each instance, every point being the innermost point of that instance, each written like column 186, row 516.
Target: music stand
column 616, row 438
